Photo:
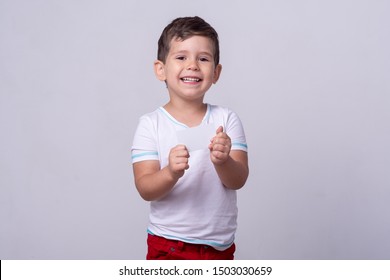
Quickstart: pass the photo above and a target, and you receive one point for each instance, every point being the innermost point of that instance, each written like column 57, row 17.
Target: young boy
column 193, row 211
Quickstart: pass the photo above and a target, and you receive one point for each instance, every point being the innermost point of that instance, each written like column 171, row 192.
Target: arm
column 231, row 166
column 152, row 182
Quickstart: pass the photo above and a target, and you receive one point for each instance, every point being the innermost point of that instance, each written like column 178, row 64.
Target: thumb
column 220, row 129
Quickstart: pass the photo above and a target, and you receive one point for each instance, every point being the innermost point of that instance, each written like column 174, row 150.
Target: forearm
column 155, row 185
column 232, row 173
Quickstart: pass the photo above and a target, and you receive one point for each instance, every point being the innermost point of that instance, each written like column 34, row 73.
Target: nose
column 192, row 65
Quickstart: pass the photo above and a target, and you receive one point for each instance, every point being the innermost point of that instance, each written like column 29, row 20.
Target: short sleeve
column 236, row 132
column 145, row 141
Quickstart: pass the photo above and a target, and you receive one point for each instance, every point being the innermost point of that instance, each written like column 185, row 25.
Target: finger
column 182, row 154
column 222, row 137
column 219, row 129
column 180, row 165
column 219, row 155
column 221, row 149
column 222, row 141
column 180, row 158
column 181, row 151
column 180, row 147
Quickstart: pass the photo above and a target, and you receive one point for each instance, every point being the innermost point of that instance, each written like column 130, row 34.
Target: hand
column 220, row 147
column 178, row 161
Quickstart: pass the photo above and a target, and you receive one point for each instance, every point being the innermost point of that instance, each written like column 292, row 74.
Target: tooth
column 191, row 79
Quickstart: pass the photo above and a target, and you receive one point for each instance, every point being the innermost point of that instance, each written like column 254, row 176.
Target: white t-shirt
column 199, row 209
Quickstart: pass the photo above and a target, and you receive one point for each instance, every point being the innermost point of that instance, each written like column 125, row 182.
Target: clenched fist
column 220, row 147
column 178, row 161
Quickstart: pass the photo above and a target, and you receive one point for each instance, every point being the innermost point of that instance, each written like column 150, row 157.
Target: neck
column 190, row 114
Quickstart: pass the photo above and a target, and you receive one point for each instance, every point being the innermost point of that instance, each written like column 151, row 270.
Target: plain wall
column 309, row 79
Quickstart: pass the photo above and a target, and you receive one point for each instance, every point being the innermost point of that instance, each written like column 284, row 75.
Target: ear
column 159, row 70
column 217, row 73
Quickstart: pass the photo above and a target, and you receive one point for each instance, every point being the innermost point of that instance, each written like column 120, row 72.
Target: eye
column 204, row 59
column 180, row 57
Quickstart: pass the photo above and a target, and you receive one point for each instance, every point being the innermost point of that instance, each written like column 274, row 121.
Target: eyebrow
column 200, row 53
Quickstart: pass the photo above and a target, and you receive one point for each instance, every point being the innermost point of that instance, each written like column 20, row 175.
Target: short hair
column 184, row 28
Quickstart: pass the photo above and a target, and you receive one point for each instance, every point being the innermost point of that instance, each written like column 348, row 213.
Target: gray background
column 309, row 79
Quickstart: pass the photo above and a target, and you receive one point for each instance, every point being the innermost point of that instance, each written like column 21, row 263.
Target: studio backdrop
column 309, row 79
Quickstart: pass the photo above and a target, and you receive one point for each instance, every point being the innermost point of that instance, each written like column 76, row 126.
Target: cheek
column 174, row 70
column 209, row 73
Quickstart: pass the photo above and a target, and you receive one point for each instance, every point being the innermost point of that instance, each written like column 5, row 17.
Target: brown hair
column 184, row 28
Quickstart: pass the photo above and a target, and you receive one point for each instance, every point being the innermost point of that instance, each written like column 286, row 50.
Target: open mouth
column 190, row 79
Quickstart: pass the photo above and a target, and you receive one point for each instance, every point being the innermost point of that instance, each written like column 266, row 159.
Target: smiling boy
column 192, row 194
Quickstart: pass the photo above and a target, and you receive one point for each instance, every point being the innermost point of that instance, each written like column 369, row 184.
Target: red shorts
column 160, row 248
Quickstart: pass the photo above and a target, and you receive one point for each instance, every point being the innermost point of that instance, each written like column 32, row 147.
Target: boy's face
column 189, row 69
